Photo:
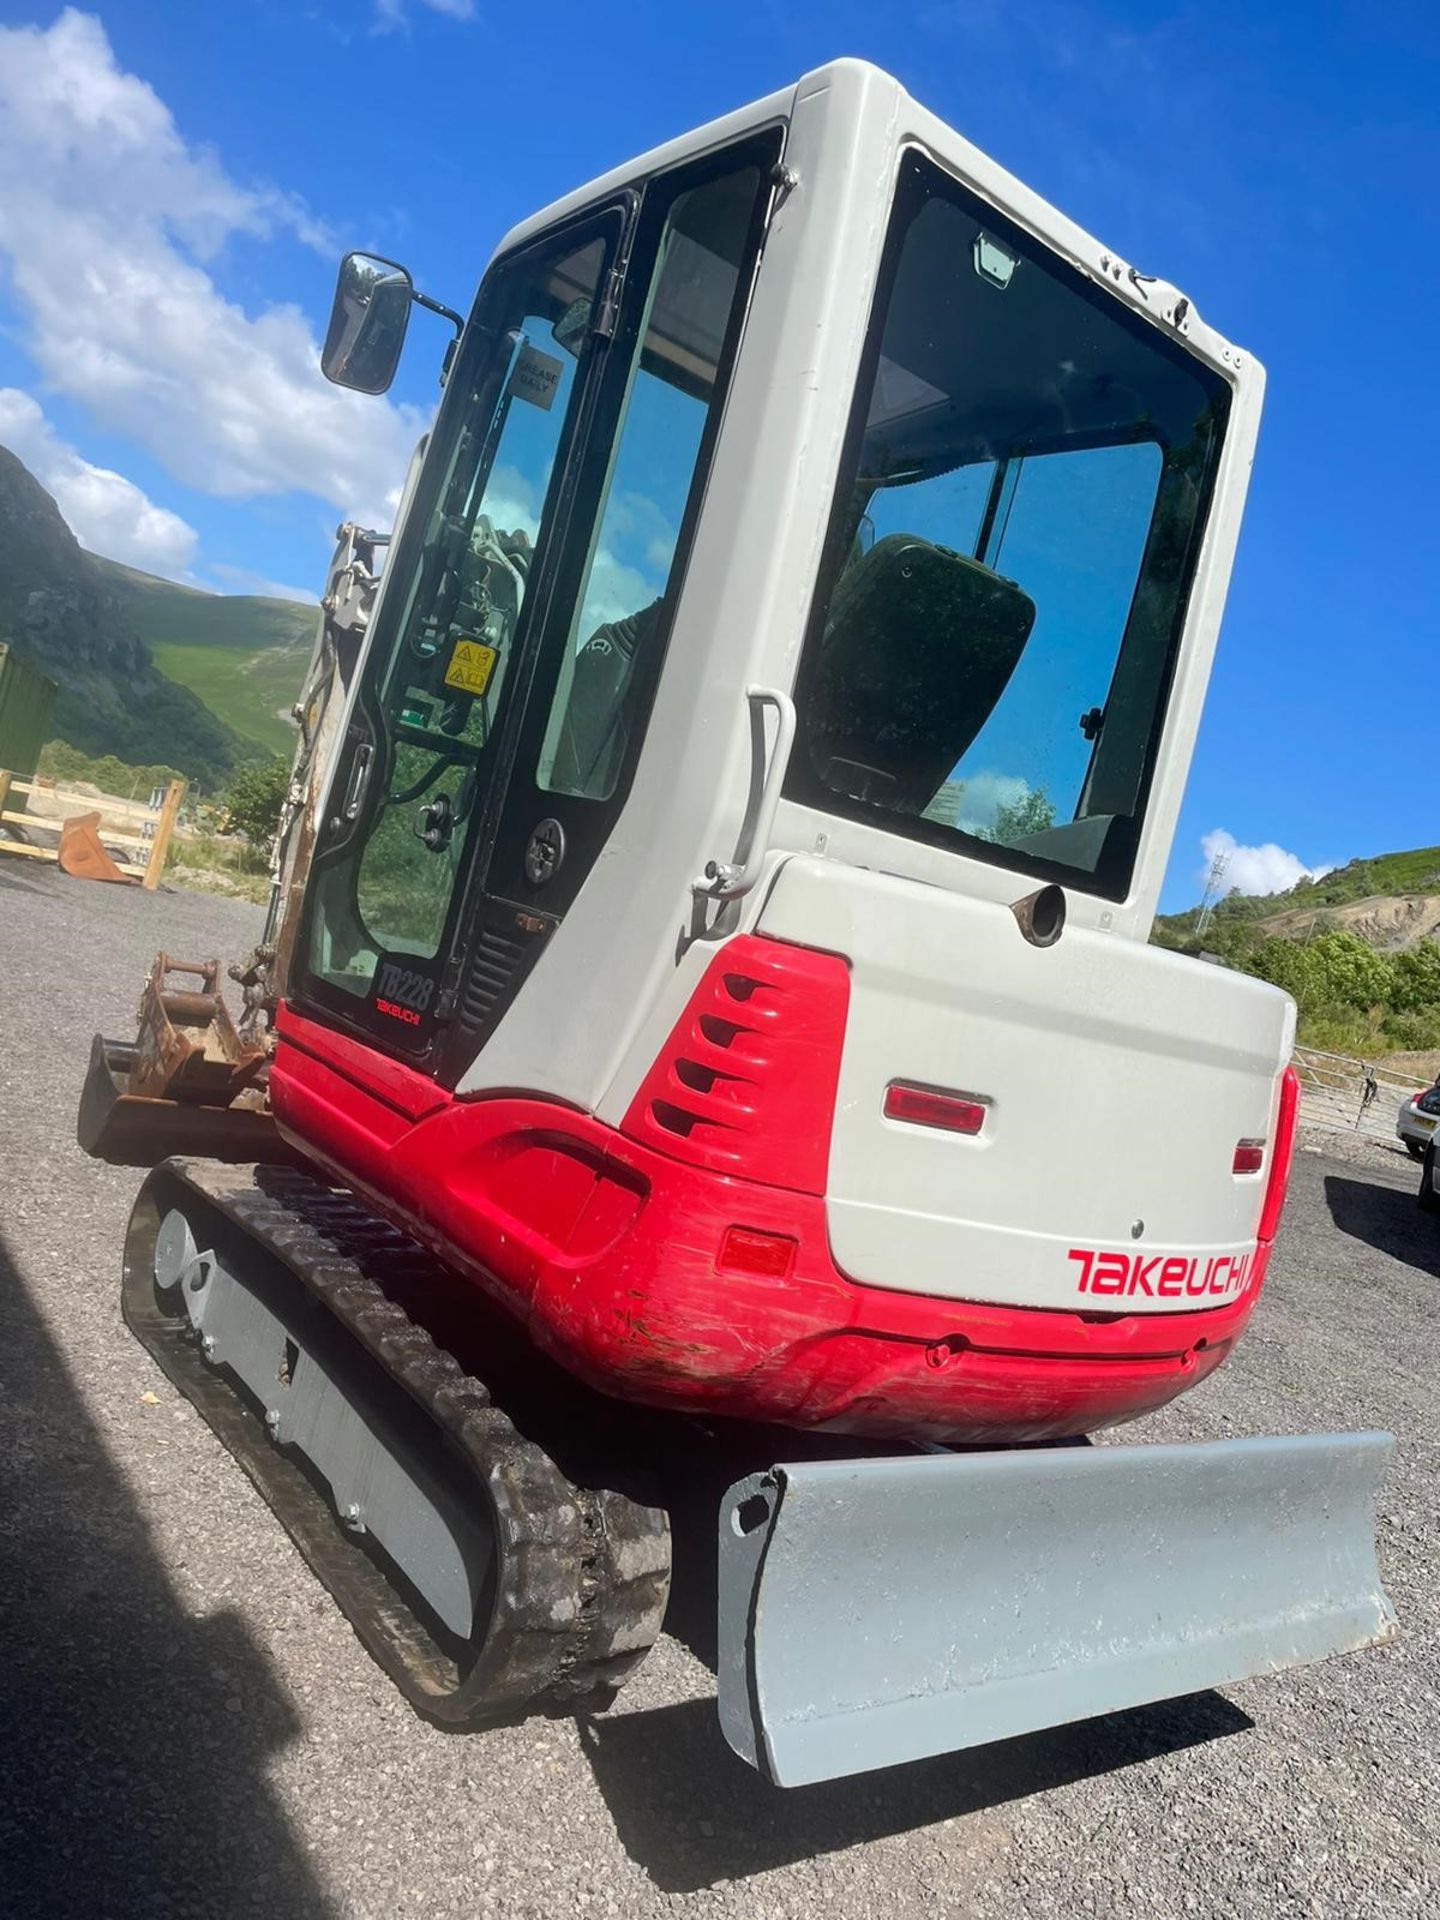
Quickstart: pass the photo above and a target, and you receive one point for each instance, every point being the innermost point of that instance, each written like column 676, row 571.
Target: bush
column 1412, row 1032
column 1336, row 970
column 1352, row 999
column 1416, row 987
column 64, row 764
column 253, row 801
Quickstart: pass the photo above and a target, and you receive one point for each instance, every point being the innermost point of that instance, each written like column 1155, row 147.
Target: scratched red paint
column 607, row 1248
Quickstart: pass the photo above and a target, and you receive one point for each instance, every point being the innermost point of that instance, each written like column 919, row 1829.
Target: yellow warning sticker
column 471, row 665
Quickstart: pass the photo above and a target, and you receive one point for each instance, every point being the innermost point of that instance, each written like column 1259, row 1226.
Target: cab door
column 687, row 289
column 501, row 715
column 415, row 796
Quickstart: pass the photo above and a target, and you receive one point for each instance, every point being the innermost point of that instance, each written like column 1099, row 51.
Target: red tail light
column 1249, row 1156
column 746, row 1082
column 748, row 1250
column 928, row 1107
column 1286, row 1116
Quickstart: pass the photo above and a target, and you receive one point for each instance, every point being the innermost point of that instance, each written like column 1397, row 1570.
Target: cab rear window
column 1024, row 489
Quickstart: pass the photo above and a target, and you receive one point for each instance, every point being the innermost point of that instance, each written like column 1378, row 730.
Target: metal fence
column 1349, row 1095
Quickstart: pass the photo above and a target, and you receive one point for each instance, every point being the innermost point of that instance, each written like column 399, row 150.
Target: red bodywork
column 683, row 1260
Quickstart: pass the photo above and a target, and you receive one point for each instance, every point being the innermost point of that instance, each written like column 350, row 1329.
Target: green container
column 25, row 698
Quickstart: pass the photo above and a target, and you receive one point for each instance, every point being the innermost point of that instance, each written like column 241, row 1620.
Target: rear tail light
column 748, row 1250
column 1249, row 1156
column 929, row 1107
column 1287, row 1113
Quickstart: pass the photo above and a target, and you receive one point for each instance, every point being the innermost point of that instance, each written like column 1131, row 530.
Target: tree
column 254, row 799
column 1416, row 986
column 1033, row 812
column 1335, row 970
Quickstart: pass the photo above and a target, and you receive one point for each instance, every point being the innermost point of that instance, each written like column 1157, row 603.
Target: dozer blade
column 878, row 1611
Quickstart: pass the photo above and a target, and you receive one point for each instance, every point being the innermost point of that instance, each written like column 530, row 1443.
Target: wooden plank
column 54, row 825
column 113, row 804
column 28, row 853
column 53, row 853
column 164, row 827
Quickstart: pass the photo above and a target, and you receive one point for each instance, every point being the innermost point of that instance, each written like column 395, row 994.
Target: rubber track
column 581, row 1574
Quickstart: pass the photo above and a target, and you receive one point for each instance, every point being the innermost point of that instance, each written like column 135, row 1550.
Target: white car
column 1417, row 1120
column 1429, row 1194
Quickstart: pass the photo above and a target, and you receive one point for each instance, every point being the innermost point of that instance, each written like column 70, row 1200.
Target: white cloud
column 110, row 220
column 106, row 512
column 984, row 796
column 612, row 592
column 1267, row 869
column 390, row 14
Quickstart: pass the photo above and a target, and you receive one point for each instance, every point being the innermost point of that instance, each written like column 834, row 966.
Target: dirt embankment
column 1386, row 921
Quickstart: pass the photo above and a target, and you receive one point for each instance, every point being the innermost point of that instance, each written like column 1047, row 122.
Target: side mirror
column 367, row 323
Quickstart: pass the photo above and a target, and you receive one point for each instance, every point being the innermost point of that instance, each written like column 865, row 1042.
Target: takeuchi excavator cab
column 764, row 755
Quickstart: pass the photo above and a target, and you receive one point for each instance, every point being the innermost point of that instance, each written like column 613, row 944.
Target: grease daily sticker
column 536, row 377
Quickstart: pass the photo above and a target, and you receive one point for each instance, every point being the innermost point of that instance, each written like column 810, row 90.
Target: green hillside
column 251, row 692
column 243, row 654
column 1242, row 920
column 63, row 615
column 1359, row 950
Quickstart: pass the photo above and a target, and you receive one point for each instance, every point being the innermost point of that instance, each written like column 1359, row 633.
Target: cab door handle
column 359, row 781
column 732, row 880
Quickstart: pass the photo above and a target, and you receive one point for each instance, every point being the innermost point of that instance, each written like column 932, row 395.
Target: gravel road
column 189, row 1728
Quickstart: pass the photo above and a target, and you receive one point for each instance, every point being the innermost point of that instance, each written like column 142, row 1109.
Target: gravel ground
column 190, row 1728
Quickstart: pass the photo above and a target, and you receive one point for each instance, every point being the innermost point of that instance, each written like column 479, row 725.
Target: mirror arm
column 434, row 306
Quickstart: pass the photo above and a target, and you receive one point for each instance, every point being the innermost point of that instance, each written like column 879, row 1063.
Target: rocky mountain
column 62, row 614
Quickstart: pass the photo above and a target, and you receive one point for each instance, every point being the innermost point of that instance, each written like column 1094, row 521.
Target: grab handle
column 359, row 780
column 732, row 880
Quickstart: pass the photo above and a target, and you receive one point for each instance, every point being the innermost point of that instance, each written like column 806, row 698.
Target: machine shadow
column 690, row 1813
column 1386, row 1218
column 135, row 1737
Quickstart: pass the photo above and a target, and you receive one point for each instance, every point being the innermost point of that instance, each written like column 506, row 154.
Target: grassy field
column 243, row 654
column 165, row 613
column 250, row 690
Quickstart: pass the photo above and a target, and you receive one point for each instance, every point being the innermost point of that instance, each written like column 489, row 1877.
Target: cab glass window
column 621, row 605
column 1023, row 494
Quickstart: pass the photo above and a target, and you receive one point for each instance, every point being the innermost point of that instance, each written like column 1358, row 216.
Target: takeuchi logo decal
column 1168, row 1276
column 407, row 1014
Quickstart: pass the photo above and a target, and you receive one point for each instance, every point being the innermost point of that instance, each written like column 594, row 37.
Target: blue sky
column 174, row 196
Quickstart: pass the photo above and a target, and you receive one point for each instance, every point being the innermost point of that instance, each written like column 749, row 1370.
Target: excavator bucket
column 81, row 854
column 878, row 1611
column 188, row 1048
column 188, row 1082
